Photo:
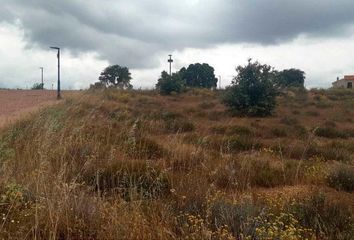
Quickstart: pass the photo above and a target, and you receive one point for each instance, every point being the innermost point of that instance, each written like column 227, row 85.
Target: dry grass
column 136, row 165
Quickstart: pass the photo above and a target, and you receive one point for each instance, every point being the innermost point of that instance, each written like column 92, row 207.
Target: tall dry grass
column 134, row 165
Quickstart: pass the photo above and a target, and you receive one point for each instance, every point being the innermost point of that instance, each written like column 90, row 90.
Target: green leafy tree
column 290, row 78
column 116, row 76
column 252, row 92
column 199, row 75
column 167, row 84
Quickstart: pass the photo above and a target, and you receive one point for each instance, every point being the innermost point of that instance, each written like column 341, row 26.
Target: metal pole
column 59, row 96
column 170, row 61
column 42, row 78
column 58, row 56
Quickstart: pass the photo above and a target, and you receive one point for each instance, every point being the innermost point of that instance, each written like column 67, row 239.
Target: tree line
column 252, row 92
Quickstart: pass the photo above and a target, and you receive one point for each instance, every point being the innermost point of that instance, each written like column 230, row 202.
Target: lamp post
column 58, row 56
column 170, row 61
column 41, row 68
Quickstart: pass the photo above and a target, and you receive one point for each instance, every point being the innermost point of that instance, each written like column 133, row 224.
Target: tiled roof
column 349, row 77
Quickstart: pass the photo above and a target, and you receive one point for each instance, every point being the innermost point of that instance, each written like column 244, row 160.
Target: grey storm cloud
column 135, row 32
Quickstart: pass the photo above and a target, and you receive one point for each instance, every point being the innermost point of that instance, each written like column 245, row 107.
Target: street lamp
column 41, row 68
column 58, row 56
column 170, row 61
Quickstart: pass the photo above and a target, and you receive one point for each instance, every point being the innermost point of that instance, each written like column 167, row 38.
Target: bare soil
column 17, row 103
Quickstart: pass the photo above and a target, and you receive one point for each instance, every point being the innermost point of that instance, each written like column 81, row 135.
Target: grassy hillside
column 136, row 165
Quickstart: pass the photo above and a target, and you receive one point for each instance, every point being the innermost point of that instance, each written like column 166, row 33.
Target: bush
column 235, row 215
column 240, row 130
column 174, row 126
column 288, row 78
column 330, row 124
column 165, row 115
column 215, row 115
column 342, row 178
column 279, row 132
column 240, row 143
column 252, row 171
column 207, row 105
column 37, row 86
column 144, row 148
column 168, row 84
column 312, row 113
column 328, row 219
column 219, row 129
column 300, row 131
column 330, row 132
column 289, row 120
column 130, row 179
column 249, row 219
column 199, row 75
column 252, row 92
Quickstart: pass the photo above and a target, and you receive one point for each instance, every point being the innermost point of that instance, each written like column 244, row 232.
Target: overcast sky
column 316, row 36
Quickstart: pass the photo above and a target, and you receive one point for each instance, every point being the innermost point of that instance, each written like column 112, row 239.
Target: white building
column 346, row 82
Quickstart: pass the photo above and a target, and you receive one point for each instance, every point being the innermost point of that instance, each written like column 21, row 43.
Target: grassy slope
column 135, row 165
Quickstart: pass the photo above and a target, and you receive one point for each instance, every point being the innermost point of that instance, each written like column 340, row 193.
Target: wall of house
column 342, row 84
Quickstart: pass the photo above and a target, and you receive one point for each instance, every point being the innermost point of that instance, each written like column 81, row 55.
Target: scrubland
column 135, row 165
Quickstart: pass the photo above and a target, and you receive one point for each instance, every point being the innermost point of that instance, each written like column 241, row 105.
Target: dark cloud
column 135, row 32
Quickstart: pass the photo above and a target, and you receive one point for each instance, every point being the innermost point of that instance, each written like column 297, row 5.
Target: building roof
column 349, row 77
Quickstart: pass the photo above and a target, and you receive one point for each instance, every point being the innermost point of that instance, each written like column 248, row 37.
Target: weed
column 179, row 126
column 296, row 112
column 330, row 132
column 219, row 129
column 312, row 113
column 341, row 177
column 240, row 143
column 215, row 115
column 5, row 152
column 330, row 124
column 206, row 105
column 289, row 120
column 279, row 132
column 129, row 179
column 239, row 130
column 144, row 148
column 324, row 105
column 252, row 171
column 317, row 213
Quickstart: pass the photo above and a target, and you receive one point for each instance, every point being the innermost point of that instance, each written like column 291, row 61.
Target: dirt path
column 17, row 103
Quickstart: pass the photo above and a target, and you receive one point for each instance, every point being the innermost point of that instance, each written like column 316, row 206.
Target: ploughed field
column 136, row 165
column 17, row 103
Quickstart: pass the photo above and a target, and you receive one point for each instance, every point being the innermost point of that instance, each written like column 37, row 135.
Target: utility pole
column 170, row 61
column 58, row 56
column 41, row 68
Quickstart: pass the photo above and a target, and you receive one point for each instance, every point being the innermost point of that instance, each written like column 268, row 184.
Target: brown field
column 136, row 165
column 17, row 103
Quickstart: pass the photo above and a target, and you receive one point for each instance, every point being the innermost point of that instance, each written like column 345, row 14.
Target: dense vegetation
column 114, row 164
column 167, row 84
column 289, row 78
column 114, row 76
column 199, row 76
column 253, row 91
column 38, row 86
